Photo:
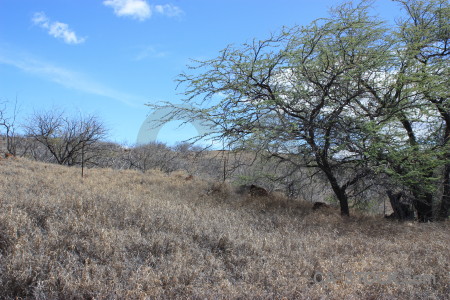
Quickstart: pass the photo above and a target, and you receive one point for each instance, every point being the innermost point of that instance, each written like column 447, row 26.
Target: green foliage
column 345, row 95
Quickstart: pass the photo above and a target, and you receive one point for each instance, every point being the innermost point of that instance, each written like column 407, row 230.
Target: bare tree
column 70, row 140
column 9, row 126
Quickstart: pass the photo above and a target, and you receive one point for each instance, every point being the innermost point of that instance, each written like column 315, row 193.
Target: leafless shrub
column 8, row 126
column 70, row 141
column 150, row 156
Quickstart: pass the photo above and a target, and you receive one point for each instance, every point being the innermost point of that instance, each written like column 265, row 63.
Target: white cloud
column 141, row 10
column 61, row 30
column 137, row 9
column 169, row 10
column 67, row 78
column 56, row 29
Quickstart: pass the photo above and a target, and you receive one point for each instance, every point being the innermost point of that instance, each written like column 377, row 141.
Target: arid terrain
column 123, row 234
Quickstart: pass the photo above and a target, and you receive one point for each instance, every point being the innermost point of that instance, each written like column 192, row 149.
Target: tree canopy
column 347, row 95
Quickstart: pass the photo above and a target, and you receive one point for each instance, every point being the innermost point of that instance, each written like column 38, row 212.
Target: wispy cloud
column 169, row 10
column 67, row 78
column 57, row 29
column 149, row 52
column 141, row 9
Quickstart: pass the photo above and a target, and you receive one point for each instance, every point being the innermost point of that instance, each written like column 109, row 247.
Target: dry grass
column 123, row 234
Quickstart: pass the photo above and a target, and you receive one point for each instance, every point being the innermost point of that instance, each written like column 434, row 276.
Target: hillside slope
column 125, row 234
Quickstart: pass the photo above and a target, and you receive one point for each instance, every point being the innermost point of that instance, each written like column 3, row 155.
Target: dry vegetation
column 123, row 234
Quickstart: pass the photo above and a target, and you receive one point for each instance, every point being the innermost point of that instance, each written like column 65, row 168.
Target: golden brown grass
column 124, row 234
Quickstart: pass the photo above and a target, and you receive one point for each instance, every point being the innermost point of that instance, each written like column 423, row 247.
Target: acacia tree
column 67, row 139
column 344, row 95
column 410, row 118
column 426, row 36
column 295, row 95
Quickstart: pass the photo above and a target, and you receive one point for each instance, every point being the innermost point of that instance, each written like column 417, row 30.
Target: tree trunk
column 343, row 202
column 339, row 191
column 445, row 202
column 340, row 194
column 394, row 199
column 402, row 211
column 423, row 203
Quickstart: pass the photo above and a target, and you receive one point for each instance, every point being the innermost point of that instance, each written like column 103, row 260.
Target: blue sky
column 110, row 57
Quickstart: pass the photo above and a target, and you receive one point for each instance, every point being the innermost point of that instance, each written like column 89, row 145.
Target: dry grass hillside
column 127, row 235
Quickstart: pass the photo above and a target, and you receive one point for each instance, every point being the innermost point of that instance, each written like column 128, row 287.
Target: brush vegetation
column 119, row 234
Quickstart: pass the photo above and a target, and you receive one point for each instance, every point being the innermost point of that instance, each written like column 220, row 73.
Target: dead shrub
column 320, row 205
column 257, row 191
